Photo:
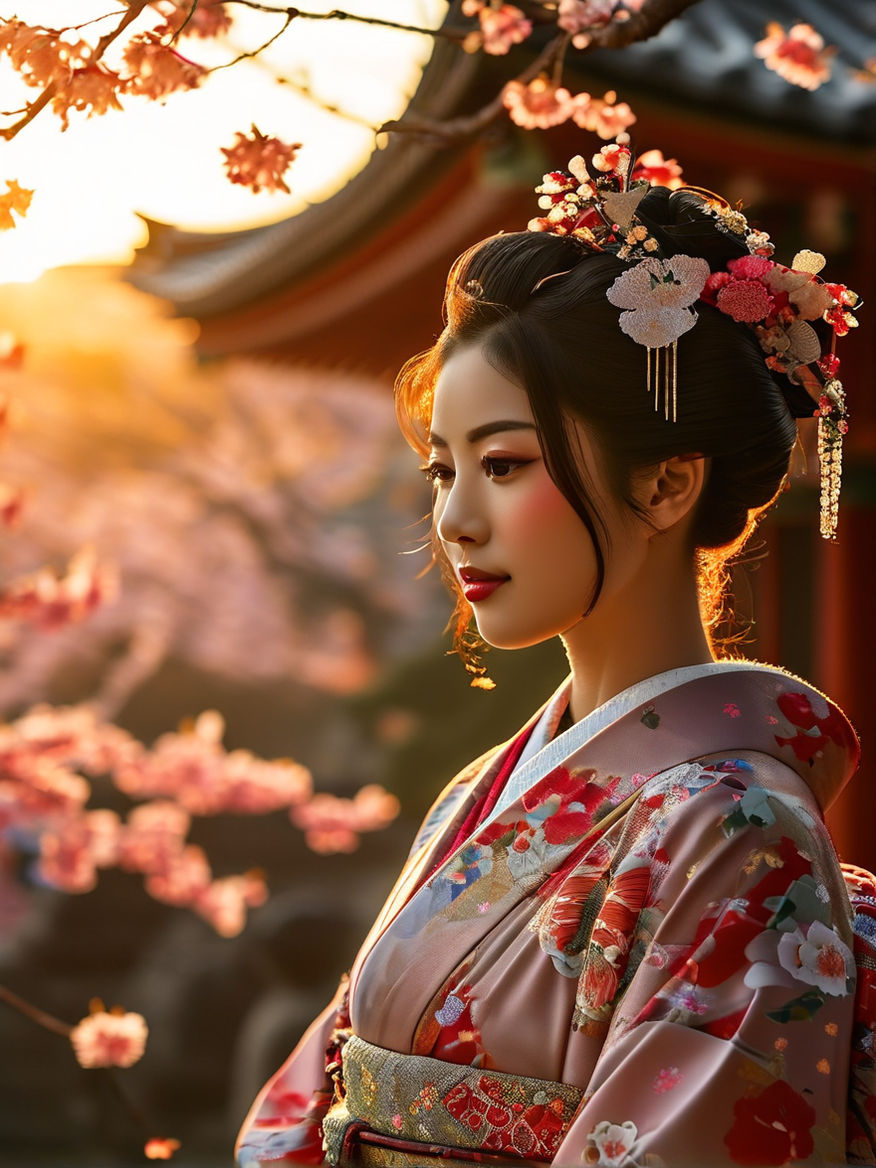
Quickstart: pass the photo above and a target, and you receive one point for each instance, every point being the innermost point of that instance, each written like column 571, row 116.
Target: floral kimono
column 627, row 943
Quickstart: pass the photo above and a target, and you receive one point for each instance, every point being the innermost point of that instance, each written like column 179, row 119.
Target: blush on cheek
column 546, row 502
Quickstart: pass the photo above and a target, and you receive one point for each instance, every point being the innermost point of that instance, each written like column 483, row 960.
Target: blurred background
column 197, row 385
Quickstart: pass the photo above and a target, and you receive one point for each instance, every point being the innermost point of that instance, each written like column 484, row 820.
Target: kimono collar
column 768, row 709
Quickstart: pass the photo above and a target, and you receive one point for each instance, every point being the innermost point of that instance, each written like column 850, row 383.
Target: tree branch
column 135, row 7
column 641, row 26
column 47, row 1021
column 470, row 125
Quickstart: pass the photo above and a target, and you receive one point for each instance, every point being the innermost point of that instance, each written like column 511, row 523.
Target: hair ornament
column 599, row 204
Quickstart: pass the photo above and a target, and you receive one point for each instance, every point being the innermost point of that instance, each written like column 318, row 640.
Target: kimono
column 629, row 943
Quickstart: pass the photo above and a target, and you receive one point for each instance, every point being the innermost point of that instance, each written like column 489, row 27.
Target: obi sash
column 396, row 1109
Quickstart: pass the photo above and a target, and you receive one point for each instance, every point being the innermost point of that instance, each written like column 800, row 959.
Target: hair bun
column 683, row 224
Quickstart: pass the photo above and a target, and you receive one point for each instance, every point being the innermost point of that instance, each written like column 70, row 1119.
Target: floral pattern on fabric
column 679, row 948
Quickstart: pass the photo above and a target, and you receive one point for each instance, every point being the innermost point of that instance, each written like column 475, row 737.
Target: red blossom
column 112, row 1039
column 773, row 1127
column 745, row 300
column 799, row 56
column 657, row 170
column 259, row 162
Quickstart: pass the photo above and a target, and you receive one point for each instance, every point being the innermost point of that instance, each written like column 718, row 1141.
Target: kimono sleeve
column 720, row 972
column 284, row 1123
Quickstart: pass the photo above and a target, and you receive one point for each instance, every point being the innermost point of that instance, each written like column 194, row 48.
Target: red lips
column 478, row 585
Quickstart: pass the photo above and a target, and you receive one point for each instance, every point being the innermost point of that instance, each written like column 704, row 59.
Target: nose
column 458, row 518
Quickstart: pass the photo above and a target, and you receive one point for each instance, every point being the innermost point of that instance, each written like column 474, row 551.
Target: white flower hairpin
column 658, row 296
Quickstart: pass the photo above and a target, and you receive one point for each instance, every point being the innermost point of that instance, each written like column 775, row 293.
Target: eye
column 501, row 468
column 437, row 472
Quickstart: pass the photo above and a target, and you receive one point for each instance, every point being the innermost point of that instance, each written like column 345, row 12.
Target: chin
column 514, row 639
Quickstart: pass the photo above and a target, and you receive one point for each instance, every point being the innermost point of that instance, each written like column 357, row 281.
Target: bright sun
column 164, row 161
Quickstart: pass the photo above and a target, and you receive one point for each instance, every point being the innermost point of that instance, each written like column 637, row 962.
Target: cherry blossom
column 502, row 25
column 258, row 161
column 48, row 601
column 332, row 824
column 160, row 1149
column 582, row 17
column 109, row 1039
column 799, row 56
column 605, row 116
column 538, row 105
column 223, row 903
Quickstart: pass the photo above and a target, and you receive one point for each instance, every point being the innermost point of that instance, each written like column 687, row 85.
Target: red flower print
column 771, row 1128
column 814, row 733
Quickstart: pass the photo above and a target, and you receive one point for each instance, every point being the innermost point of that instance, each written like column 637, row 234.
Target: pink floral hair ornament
column 597, row 204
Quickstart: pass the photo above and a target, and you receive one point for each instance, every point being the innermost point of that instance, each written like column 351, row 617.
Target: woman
column 623, row 937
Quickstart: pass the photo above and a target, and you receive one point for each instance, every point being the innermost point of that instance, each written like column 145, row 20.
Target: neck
column 650, row 625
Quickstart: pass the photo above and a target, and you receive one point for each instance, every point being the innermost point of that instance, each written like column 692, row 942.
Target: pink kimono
column 626, row 944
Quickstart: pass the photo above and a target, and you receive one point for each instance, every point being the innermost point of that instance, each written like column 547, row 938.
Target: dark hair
column 535, row 303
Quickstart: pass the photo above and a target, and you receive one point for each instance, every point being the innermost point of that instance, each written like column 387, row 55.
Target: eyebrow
column 484, row 431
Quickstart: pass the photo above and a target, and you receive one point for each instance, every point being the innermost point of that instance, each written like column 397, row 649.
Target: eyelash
column 439, row 472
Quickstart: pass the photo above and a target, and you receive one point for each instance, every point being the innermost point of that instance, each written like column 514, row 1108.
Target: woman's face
column 522, row 556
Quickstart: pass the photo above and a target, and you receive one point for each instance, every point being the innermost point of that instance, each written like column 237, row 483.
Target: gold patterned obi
column 393, row 1110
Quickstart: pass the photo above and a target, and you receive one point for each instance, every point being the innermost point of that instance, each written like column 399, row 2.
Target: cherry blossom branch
column 135, row 7
column 470, row 125
column 47, row 1021
column 640, row 26
column 336, row 14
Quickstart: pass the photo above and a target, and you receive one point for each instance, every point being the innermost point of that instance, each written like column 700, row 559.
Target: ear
column 670, row 491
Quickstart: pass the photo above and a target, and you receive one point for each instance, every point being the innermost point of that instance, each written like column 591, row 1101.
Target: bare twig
column 338, row 14
column 47, row 1021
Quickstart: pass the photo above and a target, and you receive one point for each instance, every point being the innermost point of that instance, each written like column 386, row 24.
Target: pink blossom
column 604, row 116
column 538, row 105
column 109, row 1039
column 799, row 56
column 502, row 25
column 665, row 1079
column 49, row 601
column 333, row 824
column 182, row 878
column 582, row 17
column 65, row 858
column 153, row 834
column 223, row 903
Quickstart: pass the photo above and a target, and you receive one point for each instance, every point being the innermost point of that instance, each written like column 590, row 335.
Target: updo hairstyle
column 535, row 304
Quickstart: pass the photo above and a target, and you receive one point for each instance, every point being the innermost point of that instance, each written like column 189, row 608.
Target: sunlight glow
column 163, row 159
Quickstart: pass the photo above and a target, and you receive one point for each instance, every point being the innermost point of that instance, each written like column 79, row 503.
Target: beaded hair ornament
column 596, row 204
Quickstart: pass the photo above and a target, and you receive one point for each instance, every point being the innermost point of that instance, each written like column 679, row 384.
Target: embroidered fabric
column 444, row 1107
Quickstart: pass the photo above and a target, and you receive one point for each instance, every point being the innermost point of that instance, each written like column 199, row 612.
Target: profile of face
column 521, row 554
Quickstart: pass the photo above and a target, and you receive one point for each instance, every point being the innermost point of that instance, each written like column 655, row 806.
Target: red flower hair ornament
column 598, row 204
